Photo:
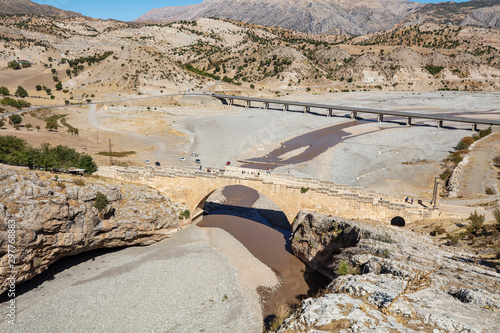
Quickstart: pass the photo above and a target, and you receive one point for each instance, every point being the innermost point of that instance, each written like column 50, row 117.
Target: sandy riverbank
column 198, row 280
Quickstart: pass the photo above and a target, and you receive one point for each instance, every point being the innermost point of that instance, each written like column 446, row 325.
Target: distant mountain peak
column 13, row 7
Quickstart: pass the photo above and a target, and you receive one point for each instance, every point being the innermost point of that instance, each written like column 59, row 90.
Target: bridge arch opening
column 242, row 200
column 398, row 221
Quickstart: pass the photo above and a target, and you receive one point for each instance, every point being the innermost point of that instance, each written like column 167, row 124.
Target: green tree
column 2, row 122
column 48, row 91
column 38, row 87
column 21, row 92
column 28, row 126
column 59, row 86
column 16, row 119
column 86, row 162
column 476, row 222
column 4, row 91
column 51, row 125
column 14, row 65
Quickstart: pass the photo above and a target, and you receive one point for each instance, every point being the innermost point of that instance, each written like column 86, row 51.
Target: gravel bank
column 198, row 280
column 371, row 156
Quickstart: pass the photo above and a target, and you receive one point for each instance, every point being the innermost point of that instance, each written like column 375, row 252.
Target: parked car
column 146, row 161
column 182, row 159
column 195, row 154
column 228, row 163
column 198, row 161
column 157, row 164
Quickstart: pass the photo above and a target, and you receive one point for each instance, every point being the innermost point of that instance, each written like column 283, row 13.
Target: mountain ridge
column 13, row 7
column 338, row 17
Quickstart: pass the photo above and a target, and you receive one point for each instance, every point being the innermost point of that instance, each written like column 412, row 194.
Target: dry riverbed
column 198, row 280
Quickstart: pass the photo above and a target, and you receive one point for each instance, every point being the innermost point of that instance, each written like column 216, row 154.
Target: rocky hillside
column 390, row 279
column 28, row 7
column 318, row 17
column 337, row 17
column 484, row 17
column 94, row 57
column 53, row 218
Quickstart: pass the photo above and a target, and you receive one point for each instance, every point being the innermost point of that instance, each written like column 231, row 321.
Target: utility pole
column 110, row 154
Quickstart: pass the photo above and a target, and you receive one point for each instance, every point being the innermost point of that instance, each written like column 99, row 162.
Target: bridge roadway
column 355, row 111
column 191, row 187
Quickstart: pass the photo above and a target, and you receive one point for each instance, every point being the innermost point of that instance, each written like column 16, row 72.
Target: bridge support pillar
column 285, row 107
column 249, row 104
column 354, row 115
column 329, row 114
column 408, row 121
column 266, row 105
column 307, row 109
column 380, row 117
column 474, row 127
column 435, row 195
column 230, row 101
column 439, row 124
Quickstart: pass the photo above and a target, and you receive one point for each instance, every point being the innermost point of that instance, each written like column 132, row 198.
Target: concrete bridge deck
column 440, row 119
column 191, row 187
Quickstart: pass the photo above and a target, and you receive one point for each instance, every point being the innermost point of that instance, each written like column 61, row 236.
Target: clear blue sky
column 128, row 10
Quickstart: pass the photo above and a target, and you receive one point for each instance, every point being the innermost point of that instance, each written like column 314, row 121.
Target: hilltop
column 12, row 7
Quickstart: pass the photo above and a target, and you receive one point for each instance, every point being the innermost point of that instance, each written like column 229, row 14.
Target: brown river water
column 268, row 244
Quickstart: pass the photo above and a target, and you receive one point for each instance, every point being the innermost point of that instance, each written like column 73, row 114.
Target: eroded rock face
column 53, row 222
column 454, row 293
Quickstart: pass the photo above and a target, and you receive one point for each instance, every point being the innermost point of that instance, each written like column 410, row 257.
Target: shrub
column 79, row 182
column 456, row 157
column 101, row 202
column 304, row 189
column 2, row 122
column 283, row 311
column 496, row 160
column 345, row 268
column 185, row 214
column 490, row 191
column 385, row 253
column 61, row 185
column 16, row 119
column 485, row 132
column 496, row 215
column 4, row 91
column 476, row 222
column 386, row 238
column 434, row 70
column 21, row 92
column 437, row 231
column 51, row 125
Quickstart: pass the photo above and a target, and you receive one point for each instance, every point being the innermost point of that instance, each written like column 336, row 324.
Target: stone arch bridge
column 191, row 187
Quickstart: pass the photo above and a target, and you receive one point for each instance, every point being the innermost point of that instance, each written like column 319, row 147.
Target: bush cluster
column 16, row 151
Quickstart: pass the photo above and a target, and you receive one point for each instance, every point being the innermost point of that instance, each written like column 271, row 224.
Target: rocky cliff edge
column 389, row 279
column 53, row 218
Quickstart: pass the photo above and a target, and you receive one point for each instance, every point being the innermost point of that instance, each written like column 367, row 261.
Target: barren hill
column 28, row 7
column 338, row 17
column 319, row 16
column 94, row 58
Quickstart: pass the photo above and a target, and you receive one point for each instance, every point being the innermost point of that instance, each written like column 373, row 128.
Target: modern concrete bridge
column 440, row 119
column 191, row 187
